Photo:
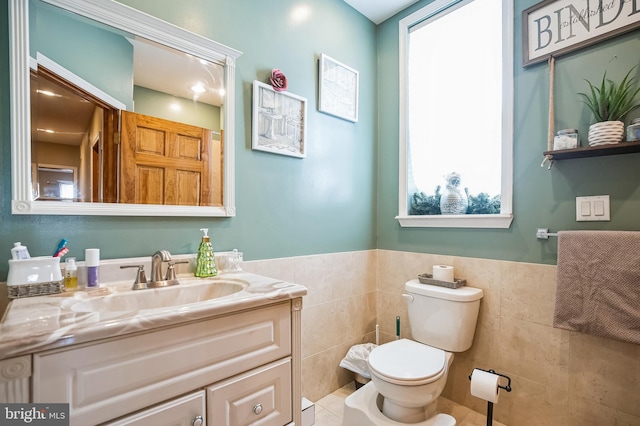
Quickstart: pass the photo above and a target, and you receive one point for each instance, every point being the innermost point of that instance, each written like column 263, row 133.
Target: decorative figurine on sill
column 453, row 200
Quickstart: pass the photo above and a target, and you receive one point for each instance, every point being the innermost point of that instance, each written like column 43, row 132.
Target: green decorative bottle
column 206, row 262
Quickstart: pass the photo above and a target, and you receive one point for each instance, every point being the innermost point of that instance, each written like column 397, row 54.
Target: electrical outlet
column 594, row 208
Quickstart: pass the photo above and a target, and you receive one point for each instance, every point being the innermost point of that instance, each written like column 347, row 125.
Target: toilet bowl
column 410, row 376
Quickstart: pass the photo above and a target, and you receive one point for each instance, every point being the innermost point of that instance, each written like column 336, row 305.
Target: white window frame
column 504, row 219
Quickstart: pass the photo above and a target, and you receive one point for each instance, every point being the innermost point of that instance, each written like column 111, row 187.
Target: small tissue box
column 36, row 276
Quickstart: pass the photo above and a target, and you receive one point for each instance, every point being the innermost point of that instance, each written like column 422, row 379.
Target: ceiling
column 167, row 70
column 379, row 10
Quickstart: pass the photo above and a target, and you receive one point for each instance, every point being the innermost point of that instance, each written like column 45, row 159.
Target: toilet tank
column 443, row 317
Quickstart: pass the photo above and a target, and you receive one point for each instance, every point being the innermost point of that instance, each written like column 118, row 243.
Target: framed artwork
column 338, row 91
column 279, row 121
column 556, row 27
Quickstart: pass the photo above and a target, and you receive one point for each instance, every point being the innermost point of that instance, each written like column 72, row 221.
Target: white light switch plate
column 594, row 208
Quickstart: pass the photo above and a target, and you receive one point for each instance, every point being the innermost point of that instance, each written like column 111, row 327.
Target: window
column 456, row 115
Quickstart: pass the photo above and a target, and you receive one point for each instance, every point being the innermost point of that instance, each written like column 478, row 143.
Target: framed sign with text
column 556, row 27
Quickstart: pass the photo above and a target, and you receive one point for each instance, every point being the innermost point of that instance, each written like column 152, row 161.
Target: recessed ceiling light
column 198, row 88
column 48, row 93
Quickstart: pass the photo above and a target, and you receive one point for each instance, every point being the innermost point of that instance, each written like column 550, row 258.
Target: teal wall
column 158, row 104
column 344, row 195
column 542, row 198
column 285, row 206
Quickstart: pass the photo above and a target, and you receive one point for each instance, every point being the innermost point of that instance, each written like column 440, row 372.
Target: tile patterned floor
column 329, row 410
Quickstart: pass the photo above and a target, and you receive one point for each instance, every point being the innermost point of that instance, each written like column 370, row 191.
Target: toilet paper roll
column 484, row 385
column 443, row 273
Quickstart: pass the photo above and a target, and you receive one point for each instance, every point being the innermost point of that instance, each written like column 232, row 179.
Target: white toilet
column 408, row 376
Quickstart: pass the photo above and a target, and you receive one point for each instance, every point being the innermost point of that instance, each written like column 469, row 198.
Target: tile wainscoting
column 558, row 377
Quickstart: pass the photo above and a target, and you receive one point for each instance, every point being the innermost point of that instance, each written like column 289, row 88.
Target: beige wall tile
column 531, row 404
column 322, row 374
column 355, row 273
column 536, row 352
column 484, row 274
column 606, row 372
column 528, row 292
column 315, row 273
column 282, row 269
column 398, row 267
column 458, row 385
column 388, row 307
column 486, row 348
column 334, row 323
column 586, row 412
column 339, row 312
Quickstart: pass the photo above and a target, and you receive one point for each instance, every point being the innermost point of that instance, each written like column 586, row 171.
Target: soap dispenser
column 206, row 262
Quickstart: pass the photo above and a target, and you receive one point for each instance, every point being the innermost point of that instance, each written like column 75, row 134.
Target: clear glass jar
column 566, row 139
column 633, row 131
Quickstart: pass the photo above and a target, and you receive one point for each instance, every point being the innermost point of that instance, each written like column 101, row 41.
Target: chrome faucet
column 157, row 280
column 156, row 264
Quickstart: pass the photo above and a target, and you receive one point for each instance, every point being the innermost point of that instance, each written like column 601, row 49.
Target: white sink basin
column 138, row 300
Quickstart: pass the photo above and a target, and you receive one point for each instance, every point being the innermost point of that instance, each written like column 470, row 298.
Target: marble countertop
column 44, row 322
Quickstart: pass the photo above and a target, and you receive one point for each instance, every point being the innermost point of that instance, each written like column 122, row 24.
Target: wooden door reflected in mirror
column 170, row 163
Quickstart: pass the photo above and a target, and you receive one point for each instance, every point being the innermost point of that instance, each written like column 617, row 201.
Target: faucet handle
column 141, row 278
column 171, row 270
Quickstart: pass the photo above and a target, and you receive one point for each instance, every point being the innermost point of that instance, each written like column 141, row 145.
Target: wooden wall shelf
column 596, row 151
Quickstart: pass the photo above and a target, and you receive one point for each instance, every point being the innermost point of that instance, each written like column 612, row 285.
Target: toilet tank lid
column 460, row 294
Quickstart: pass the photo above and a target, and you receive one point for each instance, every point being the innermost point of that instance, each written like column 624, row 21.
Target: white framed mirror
column 108, row 181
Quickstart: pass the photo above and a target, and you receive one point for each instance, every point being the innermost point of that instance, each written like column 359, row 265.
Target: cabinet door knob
column 197, row 421
column 257, row 409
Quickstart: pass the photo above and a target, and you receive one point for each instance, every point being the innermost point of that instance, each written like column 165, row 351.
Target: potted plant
column 610, row 103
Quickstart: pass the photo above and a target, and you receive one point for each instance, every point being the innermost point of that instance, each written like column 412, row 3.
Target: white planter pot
column 606, row 133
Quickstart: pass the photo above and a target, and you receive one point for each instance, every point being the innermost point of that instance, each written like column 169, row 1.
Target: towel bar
column 544, row 234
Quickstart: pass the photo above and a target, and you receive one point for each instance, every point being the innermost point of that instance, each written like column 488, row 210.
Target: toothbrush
column 62, row 252
column 397, row 328
column 62, row 248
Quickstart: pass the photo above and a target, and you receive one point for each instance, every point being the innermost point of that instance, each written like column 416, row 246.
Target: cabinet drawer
column 259, row 397
column 186, row 411
column 113, row 378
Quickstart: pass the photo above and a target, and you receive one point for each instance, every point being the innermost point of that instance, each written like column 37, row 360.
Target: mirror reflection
column 118, row 118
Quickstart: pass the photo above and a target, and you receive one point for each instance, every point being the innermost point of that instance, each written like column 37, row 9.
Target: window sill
column 457, row 221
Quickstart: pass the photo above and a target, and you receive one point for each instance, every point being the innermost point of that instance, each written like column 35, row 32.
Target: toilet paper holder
column 489, row 403
column 507, row 387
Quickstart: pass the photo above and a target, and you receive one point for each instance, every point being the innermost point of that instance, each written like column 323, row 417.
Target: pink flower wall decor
column 278, row 80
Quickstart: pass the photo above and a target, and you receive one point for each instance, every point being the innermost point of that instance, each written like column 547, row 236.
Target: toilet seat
column 408, row 363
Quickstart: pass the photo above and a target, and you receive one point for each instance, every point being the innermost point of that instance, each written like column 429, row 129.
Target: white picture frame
column 279, row 121
column 557, row 27
column 338, row 89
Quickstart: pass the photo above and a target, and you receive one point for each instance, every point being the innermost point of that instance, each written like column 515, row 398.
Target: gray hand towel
column 598, row 289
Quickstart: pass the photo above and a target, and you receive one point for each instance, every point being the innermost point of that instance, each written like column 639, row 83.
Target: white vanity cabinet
column 236, row 369
column 186, row 411
column 258, row 397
